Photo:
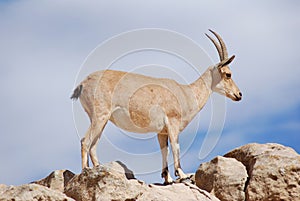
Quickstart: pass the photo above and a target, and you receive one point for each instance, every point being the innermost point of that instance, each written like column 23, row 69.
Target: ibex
column 143, row 104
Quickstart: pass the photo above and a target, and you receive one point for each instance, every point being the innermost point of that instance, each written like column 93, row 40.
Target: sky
column 47, row 47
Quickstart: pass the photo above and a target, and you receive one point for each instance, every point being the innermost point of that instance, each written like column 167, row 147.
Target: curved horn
column 223, row 46
column 217, row 46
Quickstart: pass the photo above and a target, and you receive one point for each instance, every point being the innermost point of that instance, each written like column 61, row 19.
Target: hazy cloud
column 43, row 44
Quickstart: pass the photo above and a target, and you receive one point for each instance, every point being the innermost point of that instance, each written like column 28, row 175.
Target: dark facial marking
column 228, row 75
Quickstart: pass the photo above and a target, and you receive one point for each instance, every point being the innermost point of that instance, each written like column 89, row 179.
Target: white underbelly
column 121, row 118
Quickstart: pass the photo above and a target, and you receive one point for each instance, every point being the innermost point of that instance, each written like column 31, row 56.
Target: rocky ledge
column 251, row 172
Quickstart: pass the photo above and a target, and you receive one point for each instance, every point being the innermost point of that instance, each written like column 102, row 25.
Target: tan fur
column 143, row 104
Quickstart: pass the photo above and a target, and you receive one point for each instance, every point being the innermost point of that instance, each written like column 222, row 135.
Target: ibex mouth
column 234, row 97
column 237, row 98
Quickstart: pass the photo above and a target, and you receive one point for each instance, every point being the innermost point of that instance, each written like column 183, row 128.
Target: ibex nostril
column 240, row 93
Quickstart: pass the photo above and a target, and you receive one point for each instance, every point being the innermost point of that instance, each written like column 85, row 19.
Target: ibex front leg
column 163, row 142
column 173, row 132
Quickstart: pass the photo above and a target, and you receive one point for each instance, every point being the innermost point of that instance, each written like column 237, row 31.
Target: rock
column 273, row 174
column 3, row 188
column 115, row 182
column 56, row 180
column 176, row 192
column 223, row 177
column 104, row 182
column 273, row 169
column 30, row 192
column 121, row 168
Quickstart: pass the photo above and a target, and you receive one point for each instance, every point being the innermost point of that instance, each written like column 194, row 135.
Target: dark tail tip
column 76, row 93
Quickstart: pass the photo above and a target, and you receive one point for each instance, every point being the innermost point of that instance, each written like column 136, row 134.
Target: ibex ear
column 226, row 62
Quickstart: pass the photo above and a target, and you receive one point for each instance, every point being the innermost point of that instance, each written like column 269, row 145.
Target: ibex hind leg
column 163, row 142
column 93, row 149
column 90, row 140
column 85, row 150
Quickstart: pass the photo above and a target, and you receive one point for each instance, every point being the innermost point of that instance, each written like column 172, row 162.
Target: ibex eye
column 228, row 75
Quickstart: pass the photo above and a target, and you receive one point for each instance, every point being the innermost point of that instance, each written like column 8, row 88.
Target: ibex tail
column 77, row 92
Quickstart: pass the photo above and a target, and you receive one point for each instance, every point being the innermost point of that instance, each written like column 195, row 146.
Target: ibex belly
column 139, row 121
column 143, row 108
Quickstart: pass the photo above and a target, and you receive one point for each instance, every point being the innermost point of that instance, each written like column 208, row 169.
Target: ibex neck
column 202, row 88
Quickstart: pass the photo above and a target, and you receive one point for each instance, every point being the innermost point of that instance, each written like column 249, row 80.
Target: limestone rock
column 176, row 192
column 273, row 174
column 56, row 180
column 32, row 192
column 115, row 182
column 121, row 168
column 223, row 177
column 273, row 169
column 104, row 182
column 3, row 188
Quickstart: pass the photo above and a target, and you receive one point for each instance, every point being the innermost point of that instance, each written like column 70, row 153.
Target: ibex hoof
column 168, row 183
column 176, row 173
column 164, row 174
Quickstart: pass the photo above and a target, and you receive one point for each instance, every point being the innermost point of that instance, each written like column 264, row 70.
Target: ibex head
column 222, row 82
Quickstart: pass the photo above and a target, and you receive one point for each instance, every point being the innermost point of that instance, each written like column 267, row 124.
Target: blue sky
column 44, row 44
